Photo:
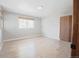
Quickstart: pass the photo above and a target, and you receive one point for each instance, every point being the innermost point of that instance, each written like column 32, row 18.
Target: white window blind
column 26, row 24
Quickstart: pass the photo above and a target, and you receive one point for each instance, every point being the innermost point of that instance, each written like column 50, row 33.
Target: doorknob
column 73, row 46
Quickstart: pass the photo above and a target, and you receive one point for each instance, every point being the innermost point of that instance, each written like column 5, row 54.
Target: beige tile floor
column 40, row 47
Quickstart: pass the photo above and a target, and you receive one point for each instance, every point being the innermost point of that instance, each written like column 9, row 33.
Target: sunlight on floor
column 40, row 47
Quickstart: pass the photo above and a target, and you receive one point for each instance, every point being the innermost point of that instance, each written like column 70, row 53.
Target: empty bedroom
column 35, row 28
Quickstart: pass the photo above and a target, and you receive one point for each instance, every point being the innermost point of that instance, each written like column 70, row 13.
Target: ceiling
column 38, row 8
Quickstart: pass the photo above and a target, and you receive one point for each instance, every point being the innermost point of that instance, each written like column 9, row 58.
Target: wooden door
column 65, row 28
column 75, row 37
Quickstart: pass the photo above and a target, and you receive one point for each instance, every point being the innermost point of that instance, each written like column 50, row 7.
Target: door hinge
column 73, row 46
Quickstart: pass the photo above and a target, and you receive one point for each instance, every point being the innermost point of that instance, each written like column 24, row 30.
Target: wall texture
column 12, row 30
column 51, row 27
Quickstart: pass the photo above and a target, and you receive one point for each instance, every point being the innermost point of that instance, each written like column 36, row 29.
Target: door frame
column 74, row 51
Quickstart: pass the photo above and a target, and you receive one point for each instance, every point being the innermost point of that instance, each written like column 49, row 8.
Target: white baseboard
column 27, row 37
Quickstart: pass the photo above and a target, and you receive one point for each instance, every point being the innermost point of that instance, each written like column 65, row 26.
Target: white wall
column 12, row 30
column 51, row 27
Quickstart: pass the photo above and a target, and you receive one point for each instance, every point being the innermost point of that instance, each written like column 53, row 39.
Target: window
column 24, row 23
